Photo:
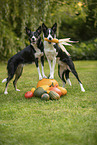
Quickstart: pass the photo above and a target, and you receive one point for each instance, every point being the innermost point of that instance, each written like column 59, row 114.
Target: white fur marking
column 63, row 84
column 49, row 62
column 17, row 90
column 69, row 82
column 43, row 74
column 40, row 76
column 51, row 54
column 5, row 92
column 53, row 67
column 82, row 88
column 4, row 80
column 34, row 37
column 49, row 36
column 49, row 50
column 38, row 53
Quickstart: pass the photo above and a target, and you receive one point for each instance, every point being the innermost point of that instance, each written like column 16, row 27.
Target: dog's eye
column 36, row 35
column 31, row 35
column 52, row 34
column 46, row 34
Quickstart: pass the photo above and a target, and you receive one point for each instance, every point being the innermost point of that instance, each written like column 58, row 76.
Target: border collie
column 49, row 49
column 28, row 55
column 53, row 51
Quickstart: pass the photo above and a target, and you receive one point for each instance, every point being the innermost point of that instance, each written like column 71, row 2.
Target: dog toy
column 62, row 42
column 53, row 40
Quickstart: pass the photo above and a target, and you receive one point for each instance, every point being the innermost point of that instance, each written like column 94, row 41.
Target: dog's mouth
column 33, row 42
column 50, row 39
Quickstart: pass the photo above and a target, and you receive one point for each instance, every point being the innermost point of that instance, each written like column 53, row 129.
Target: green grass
column 72, row 120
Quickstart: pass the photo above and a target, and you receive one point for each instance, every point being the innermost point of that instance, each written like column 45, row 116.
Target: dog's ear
column 44, row 27
column 39, row 30
column 54, row 27
column 28, row 31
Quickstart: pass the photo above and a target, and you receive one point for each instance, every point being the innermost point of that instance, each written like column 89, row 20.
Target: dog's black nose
column 50, row 38
column 32, row 39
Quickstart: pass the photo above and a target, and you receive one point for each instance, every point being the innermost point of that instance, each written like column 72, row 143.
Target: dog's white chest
column 38, row 52
column 49, row 50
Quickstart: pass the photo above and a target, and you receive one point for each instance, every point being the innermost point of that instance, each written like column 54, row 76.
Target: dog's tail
column 4, row 80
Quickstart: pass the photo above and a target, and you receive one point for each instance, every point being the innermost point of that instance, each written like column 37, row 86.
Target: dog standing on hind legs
column 28, row 55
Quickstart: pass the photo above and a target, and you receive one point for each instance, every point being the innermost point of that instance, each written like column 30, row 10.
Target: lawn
column 72, row 120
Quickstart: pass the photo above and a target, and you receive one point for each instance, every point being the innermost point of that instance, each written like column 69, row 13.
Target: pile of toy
column 47, row 89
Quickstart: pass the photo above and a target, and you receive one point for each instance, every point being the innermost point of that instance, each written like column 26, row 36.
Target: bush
column 84, row 50
column 9, row 43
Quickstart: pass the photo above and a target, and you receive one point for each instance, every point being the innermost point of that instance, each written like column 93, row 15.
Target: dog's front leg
column 42, row 66
column 49, row 62
column 36, row 62
column 53, row 67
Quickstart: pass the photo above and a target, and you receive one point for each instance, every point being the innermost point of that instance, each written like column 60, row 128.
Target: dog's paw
column 83, row 90
column 51, row 77
column 17, row 90
column 40, row 78
column 69, row 82
column 45, row 77
column 5, row 92
column 63, row 84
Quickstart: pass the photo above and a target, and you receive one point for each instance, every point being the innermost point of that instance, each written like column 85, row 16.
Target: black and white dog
column 53, row 51
column 28, row 55
column 49, row 48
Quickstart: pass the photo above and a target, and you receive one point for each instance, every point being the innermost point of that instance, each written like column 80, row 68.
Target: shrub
column 9, row 43
column 84, row 50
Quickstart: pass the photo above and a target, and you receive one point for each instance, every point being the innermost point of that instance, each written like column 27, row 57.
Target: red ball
column 28, row 94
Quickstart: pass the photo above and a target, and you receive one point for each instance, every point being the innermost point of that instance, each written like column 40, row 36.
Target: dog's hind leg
column 8, row 80
column 61, row 73
column 67, row 77
column 18, row 73
column 72, row 68
column 11, row 71
column 76, row 75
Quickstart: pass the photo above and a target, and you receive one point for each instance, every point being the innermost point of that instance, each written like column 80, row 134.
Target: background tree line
column 76, row 20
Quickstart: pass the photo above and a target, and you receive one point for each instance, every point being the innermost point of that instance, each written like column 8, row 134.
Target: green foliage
column 9, row 43
column 71, row 120
column 84, row 50
column 75, row 19
column 79, row 21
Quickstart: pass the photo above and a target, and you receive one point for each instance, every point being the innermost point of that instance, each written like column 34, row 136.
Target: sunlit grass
column 68, row 121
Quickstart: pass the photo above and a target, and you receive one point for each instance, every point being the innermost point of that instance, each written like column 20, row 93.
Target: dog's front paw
column 51, row 77
column 45, row 77
column 40, row 78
